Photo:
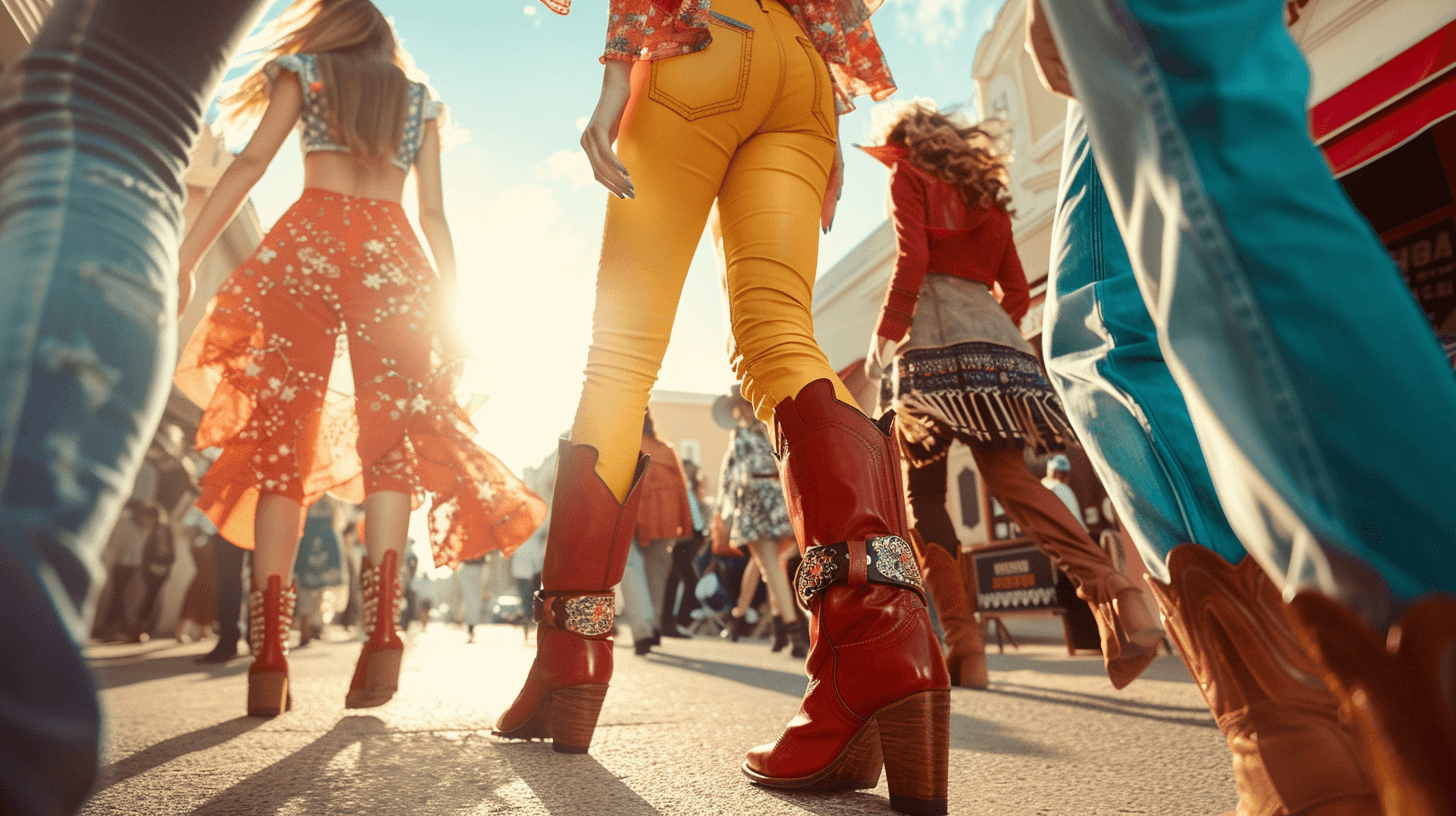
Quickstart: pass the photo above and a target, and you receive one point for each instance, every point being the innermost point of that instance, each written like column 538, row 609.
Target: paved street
column 1050, row 738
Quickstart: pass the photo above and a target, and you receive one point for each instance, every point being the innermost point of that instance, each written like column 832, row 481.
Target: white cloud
column 942, row 22
column 529, row 11
column 572, row 166
column 581, row 123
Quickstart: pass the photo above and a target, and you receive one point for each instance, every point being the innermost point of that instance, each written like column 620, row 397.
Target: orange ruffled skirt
column 344, row 276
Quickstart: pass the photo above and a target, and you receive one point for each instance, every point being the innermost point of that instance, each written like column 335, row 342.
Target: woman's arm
column 431, row 189
column 1015, row 295
column 284, row 105
column 834, row 190
column 601, row 131
column 912, row 243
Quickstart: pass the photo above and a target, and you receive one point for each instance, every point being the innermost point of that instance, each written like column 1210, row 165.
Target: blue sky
column 526, row 215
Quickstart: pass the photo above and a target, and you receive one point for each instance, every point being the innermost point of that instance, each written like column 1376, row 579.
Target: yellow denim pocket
column 707, row 82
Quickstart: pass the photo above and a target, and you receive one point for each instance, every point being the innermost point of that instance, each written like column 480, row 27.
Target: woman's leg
column 638, row 600
column 91, row 187
column 656, row 563
column 1130, row 633
column 748, row 587
column 277, row 525
column 780, row 597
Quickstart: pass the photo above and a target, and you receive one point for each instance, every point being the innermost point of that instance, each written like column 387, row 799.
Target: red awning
column 1390, row 105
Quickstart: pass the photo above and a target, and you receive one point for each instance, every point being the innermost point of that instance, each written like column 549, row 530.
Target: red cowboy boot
column 586, row 553
column 878, row 691
column 1291, row 753
column 270, row 613
column 376, row 675
column 1400, row 692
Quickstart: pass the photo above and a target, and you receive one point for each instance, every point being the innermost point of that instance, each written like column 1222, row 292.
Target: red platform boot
column 879, row 695
column 270, row 615
column 586, row 553
column 376, row 675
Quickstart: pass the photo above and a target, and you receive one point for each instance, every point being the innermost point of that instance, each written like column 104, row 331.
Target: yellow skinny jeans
column 748, row 121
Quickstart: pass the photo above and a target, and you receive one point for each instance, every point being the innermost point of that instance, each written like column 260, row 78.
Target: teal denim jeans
column 1322, row 404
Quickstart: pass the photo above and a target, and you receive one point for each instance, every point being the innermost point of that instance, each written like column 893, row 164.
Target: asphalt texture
column 1051, row 737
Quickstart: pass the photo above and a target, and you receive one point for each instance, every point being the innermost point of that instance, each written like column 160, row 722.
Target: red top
column 936, row 232
column 663, row 510
column 839, row 29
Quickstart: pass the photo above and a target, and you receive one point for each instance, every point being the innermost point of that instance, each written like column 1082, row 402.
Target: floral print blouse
column 839, row 29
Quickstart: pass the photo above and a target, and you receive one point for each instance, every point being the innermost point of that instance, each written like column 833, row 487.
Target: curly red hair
column 963, row 156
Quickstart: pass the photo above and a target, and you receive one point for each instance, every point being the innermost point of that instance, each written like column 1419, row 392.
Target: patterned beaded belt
column 886, row 559
column 586, row 614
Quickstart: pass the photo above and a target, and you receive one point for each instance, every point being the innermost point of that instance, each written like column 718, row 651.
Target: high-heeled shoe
column 1291, row 753
column 738, row 626
column 798, row 637
column 879, row 696
column 965, row 637
column 270, row 614
column 376, row 675
column 780, row 635
column 586, row 554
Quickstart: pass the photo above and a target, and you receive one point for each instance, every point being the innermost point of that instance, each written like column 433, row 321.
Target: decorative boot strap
column 887, row 559
column 258, row 617
column 588, row 614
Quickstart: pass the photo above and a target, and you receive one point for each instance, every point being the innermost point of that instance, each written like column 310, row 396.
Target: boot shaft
column 1290, row 749
column 591, row 532
column 841, row 470
column 270, row 616
column 381, row 590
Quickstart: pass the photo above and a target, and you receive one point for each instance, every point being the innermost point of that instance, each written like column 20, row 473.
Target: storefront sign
column 1019, row 577
column 1425, row 258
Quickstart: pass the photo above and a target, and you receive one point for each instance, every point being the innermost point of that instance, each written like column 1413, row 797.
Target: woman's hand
column 186, row 283
column 601, row 131
column 832, row 192
column 881, row 353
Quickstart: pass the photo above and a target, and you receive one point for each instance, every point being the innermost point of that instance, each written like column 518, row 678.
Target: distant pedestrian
column 755, row 518
column 1058, row 470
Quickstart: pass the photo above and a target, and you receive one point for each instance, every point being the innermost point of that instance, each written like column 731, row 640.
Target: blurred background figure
column 472, row 599
column 664, row 518
column 679, row 600
column 319, row 566
column 755, row 517
column 1057, row 480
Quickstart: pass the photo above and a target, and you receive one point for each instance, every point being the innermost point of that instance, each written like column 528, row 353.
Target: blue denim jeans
column 96, row 123
column 1322, row 404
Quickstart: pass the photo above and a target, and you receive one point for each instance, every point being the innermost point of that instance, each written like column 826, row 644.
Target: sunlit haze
column 526, row 214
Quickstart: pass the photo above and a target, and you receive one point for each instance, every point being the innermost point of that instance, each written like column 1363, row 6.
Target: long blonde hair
column 362, row 86
column 966, row 157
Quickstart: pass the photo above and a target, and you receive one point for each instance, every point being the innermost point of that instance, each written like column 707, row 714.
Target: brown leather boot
column 1127, row 628
column 1291, row 753
column 878, row 693
column 1400, row 692
column 586, row 554
column 965, row 637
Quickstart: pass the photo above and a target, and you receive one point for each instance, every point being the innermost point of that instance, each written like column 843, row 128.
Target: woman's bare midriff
column 342, row 173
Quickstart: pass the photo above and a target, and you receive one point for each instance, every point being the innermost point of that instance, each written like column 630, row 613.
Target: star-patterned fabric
column 343, row 274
